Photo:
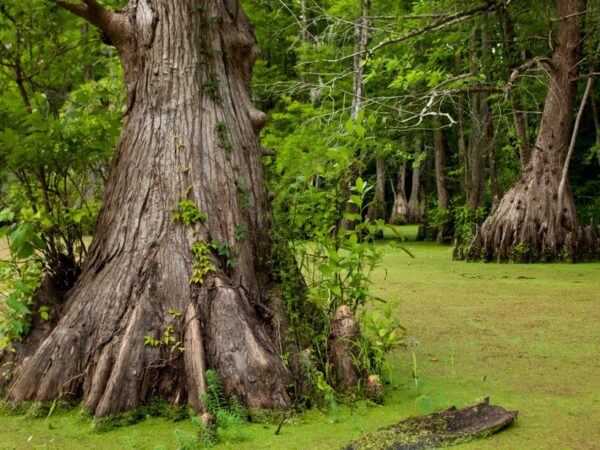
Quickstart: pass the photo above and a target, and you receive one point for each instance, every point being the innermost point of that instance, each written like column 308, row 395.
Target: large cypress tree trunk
column 189, row 136
column 529, row 224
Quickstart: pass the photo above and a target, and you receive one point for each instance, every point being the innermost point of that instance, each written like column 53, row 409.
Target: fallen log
column 448, row 427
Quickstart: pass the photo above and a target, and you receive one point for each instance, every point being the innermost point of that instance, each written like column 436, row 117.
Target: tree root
column 99, row 349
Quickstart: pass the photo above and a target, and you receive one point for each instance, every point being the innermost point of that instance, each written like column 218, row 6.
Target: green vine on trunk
column 203, row 264
column 187, row 212
column 244, row 194
column 222, row 132
column 168, row 339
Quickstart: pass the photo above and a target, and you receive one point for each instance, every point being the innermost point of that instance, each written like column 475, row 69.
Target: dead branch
column 448, row 20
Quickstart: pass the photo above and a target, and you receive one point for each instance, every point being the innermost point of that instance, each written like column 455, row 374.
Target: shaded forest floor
column 527, row 336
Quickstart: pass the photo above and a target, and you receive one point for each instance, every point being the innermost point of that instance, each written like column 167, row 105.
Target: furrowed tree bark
column 189, row 135
column 530, row 224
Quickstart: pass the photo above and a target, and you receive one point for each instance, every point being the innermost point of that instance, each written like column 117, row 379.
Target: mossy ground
column 526, row 335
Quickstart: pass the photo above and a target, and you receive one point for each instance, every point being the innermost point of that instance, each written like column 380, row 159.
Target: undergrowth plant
column 336, row 265
column 228, row 415
column 20, row 276
column 466, row 221
column 330, row 265
column 381, row 333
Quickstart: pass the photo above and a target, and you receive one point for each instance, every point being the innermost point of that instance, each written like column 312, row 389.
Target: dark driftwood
column 449, row 427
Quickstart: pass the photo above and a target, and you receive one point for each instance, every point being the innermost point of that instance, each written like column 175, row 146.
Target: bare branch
column 565, row 172
column 407, row 17
column 558, row 19
column 545, row 62
column 448, row 20
column 589, row 75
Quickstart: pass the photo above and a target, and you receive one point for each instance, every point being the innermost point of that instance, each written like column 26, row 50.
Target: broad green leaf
column 359, row 185
column 17, row 306
column 350, row 126
column 356, row 200
column 360, row 130
column 6, row 215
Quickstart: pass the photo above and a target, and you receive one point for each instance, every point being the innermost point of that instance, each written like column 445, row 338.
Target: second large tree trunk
column 529, row 224
column 148, row 314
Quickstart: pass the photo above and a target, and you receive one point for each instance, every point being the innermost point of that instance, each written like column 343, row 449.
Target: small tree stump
column 449, row 427
column 344, row 331
column 374, row 389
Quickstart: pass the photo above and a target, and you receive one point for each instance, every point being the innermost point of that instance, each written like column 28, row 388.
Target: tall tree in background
column 444, row 232
column 180, row 247
column 416, row 203
column 400, row 207
column 529, row 219
column 361, row 40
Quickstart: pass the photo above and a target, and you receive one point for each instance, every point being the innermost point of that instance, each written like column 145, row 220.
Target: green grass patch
column 526, row 335
column 401, row 232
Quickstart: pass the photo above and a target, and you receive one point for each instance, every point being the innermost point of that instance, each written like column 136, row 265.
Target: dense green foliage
column 60, row 115
column 422, row 72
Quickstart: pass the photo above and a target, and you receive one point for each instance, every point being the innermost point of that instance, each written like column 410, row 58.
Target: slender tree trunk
column 444, row 230
column 481, row 123
column 304, row 33
column 493, row 174
column 416, row 204
column 400, row 208
column 462, row 149
column 377, row 208
column 521, row 128
column 529, row 224
column 596, row 117
column 304, row 18
column 361, row 40
column 513, row 60
column 477, row 153
column 189, row 136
